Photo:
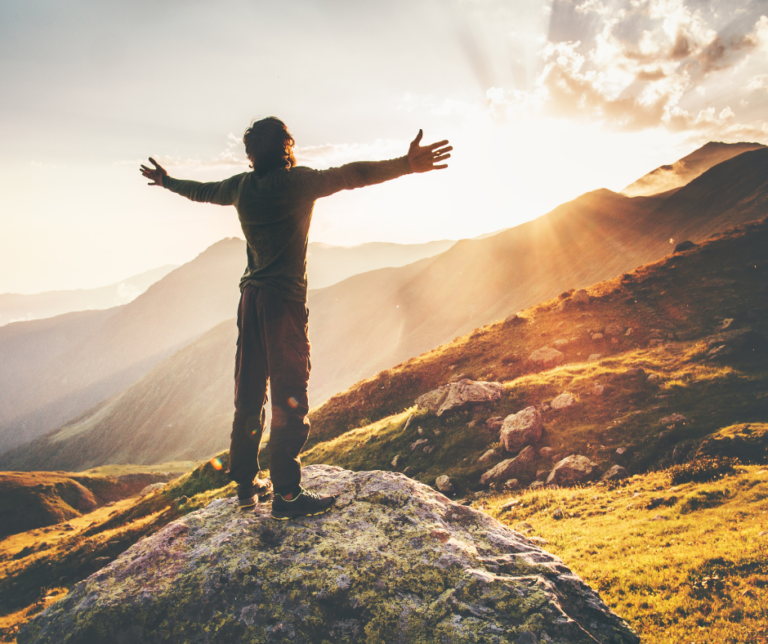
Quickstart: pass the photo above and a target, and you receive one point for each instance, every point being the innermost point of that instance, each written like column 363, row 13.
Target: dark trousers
column 272, row 347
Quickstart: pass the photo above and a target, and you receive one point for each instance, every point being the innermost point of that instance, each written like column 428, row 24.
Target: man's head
column 269, row 145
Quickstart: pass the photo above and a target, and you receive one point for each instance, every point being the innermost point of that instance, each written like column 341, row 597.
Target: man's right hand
column 155, row 174
column 423, row 159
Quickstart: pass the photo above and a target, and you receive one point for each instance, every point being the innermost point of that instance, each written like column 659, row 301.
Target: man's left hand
column 155, row 174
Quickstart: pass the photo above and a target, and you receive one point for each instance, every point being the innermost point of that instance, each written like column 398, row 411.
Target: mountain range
column 372, row 321
column 15, row 307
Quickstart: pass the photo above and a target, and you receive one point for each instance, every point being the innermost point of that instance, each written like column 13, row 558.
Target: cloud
column 648, row 65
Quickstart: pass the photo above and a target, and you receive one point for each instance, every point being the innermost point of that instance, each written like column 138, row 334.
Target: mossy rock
column 394, row 561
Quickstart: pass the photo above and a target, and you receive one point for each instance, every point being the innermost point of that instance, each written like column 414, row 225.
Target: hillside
column 180, row 410
column 676, row 310
column 16, row 306
column 328, row 264
column 171, row 313
column 374, row 321
column 685, row 170
column 600, row 234
column 30, row 500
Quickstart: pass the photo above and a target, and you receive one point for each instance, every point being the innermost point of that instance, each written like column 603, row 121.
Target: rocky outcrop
column 460, row 395
column 394, row 561
column 546, row 358
column 520, row 429
column 510, row 468
column 571, row 470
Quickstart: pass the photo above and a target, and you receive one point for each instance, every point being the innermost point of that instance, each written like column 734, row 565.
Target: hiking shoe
column 304, row 504
column 247, row 494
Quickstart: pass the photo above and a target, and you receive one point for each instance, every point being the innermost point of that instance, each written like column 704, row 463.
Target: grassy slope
column 640, row 584
column 695, row 570
column 31, row 500
column 679, row 297
column 37, row 567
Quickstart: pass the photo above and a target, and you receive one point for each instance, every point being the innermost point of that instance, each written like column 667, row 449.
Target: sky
column 542, row 101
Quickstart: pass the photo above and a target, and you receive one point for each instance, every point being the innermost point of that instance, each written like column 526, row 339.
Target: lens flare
column 293, row 403
column 216, row 463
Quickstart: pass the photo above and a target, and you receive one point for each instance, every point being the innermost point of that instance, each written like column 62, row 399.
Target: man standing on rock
column 274, row 203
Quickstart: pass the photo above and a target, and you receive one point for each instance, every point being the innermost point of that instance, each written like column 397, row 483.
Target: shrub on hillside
column 702, row 469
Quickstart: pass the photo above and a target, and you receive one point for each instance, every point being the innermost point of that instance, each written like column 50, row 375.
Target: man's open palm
column 155, row 175
column 428, row 157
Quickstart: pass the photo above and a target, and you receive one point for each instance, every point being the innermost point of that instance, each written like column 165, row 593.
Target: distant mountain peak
column 685, row 170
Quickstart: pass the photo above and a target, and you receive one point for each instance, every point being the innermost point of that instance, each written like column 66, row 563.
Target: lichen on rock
column 394, row 561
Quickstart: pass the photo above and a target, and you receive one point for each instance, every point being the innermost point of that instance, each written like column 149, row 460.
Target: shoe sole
column 246, row 504
column 285, row 516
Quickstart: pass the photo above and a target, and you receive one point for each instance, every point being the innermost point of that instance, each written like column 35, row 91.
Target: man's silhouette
column 274, row 203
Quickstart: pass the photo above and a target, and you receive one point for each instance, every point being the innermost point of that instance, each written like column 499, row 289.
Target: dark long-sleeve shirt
column 275, row 211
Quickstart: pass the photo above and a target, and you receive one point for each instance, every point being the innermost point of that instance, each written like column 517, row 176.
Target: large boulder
column 522, row 428
column 460, row 395
column 510, row 468
column 546, row 357
column 393, row 561
column 573, row 469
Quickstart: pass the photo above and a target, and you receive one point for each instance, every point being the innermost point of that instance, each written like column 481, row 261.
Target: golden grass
column 694, row 569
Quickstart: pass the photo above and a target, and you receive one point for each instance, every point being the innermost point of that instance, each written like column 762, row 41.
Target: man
column 274, row 203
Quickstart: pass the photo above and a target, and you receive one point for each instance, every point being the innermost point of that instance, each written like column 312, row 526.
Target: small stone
column 561, row 342
column 396, row 461
column 545, row 407
column 488, row 455
column 629, row 331
column 546, row 452
column 507, row 469
column 536, row 485
column 409, row 471
column 494, row 423
column 633, row 372
column 613, row 329
column 522, row 428
column 621, row 451
column 460, row 395
column 563, row 401
column 573, row 469
column 597, row 336
column 763, row 533
column 428, row 449
column 615, row 473
column 511, row 484
column 443, row 483
column 597, row 390
column 421, row 431
column 614, row 341
column 580, row 297
column 557, row 514
column 653, row 379
column 471, row 424
column 594, row 357
column 416, row 444
column 546, row 357
column 673, row 419
column 541, row 541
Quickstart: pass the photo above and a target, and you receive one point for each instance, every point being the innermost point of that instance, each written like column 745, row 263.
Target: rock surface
column 459, row 395
column 571, row 470
column 546, row 357
column 511, row 468
column 615, row 473
column 563, row 401
column 522, row 428
column 394, row 561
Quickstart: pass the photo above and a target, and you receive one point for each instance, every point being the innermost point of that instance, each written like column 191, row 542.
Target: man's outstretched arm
column 322, row 183
column 218, row 192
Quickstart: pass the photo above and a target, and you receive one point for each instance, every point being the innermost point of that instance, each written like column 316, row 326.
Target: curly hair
column 269, row 145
